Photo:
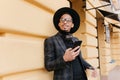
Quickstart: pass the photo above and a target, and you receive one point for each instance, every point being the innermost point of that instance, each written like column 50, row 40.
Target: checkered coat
column 54, row 49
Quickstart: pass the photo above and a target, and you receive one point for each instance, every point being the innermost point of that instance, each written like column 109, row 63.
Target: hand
column 71, row 54
column 94, row 73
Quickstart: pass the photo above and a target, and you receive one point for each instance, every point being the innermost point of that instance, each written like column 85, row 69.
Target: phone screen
column 77, row 43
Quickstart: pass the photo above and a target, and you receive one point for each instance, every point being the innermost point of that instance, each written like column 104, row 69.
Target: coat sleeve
column 86, row 65
column 50, row 60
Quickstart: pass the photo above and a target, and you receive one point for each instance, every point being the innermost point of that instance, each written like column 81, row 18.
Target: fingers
column 94, row 73
column 76, row 49
column 69, row 49
column 71, row 54
column 75, row 54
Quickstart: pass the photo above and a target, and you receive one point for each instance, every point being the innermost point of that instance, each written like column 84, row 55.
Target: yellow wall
column 29, row 16
column 88, row 33
column 116, row 45
column 24, row 24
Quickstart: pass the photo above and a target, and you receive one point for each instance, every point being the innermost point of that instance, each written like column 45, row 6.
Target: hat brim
column 75, row 16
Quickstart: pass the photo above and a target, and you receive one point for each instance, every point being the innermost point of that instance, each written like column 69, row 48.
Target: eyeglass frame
column 66, row 19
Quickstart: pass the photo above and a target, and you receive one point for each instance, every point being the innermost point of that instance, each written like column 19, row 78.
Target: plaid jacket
column 53, row 58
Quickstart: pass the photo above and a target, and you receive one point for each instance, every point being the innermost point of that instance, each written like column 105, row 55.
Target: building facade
column 24, row 24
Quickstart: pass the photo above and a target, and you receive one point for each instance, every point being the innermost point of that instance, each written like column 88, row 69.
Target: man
column 60, row 56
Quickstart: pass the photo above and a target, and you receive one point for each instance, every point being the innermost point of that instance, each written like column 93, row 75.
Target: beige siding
column 88, row 33
column 93, row 3
column 116, row 45
column 105, row 59
column 93, row 52
column 32, row 75
column 25, row 17
column 20, row 55
column 24, row 24
column 89, row 29
column 91, row 19
column 105, row 52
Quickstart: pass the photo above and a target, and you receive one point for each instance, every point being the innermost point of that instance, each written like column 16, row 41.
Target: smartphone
column 77, row 43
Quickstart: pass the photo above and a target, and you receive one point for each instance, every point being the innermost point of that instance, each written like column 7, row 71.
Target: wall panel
column 26, row 17
column 33, row 75
column 89, row 52
column 18, row 55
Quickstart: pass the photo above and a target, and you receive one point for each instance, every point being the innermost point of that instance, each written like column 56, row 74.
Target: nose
column 65, row 21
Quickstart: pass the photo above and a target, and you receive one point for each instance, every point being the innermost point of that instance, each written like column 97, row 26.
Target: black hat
column 75, row 16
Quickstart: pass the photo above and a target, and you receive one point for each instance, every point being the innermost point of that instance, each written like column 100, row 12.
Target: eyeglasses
column 65, row 19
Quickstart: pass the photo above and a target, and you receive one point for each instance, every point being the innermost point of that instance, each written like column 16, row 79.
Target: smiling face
column 66, row 23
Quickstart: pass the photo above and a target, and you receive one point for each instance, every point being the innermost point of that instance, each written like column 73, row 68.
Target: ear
column 72, row 25
column 58, row 24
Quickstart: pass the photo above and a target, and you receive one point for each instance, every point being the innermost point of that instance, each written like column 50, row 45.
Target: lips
column 65, row 26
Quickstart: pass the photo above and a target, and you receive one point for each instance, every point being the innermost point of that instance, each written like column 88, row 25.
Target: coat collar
column 60, row 41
